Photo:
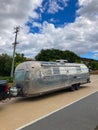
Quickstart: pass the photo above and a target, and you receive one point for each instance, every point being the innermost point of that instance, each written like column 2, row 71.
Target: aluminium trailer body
column 35, row 77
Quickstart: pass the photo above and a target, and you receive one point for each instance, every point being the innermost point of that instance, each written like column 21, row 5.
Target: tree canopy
column 93, row 65
column 6, row 63
column 55, row 54
column 44, row 55
column 19, row 58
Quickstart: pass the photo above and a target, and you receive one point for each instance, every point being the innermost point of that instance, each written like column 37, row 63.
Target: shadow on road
column 40, row 97
column 44, row 96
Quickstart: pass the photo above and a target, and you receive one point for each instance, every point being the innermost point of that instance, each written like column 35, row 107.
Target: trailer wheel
column 72, row 88
column 77, row 86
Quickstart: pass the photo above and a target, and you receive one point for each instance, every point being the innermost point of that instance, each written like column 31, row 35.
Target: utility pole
column 15, row 43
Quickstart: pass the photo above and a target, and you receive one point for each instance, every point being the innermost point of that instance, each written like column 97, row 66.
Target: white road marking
column 53, row 112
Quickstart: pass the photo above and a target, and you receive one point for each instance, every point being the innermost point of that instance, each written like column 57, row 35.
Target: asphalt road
column 81, row 115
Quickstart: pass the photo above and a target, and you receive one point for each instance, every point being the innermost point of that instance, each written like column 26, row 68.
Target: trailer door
column 64, row 76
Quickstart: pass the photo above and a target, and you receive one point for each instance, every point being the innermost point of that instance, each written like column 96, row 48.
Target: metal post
column 15, row 43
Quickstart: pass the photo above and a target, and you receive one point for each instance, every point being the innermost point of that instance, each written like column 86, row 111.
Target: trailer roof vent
column 62, row 61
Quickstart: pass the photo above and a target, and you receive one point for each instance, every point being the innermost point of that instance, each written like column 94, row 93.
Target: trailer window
column 78, row 69
column 63, row 70
column 46, row 71
column 19, row 75
column 56, row 71
column 27, row 75
column 84, row 70
column 72, row 70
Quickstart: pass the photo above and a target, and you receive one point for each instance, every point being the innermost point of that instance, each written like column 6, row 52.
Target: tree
column 55, row 54
column 93, row 65
column 5, row 65
column 71, row 56
column 19, row 58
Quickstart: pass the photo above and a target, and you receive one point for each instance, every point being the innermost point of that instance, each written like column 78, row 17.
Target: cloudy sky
column 60, row 24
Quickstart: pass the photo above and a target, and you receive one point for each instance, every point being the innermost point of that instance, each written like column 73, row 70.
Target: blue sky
column 57, row 17
column 90, row 55
column 60, row 24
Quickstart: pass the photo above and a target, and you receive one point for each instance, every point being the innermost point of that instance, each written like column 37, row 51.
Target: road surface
column 81, row 115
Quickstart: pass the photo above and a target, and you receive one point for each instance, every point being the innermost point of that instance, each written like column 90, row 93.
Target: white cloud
column 80, row 36
column 13, row 13
column 53, row 7
column 56, row 5
column 36, row 24
column 89, row 9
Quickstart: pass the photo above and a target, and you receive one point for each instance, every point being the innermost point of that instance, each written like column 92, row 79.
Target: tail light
column 6, row 89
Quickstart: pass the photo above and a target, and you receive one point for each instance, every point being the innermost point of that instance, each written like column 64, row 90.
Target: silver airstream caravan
column 35, row 77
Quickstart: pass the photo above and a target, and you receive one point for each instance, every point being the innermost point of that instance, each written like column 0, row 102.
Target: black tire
column 77, row 86
column 72, row 88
